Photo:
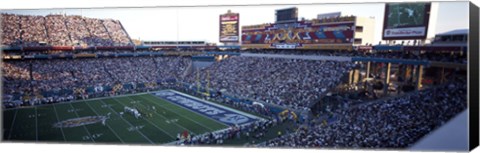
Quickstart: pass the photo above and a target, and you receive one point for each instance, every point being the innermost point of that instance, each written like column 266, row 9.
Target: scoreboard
column 286, row 15
column 229, row 27
column 406, row 21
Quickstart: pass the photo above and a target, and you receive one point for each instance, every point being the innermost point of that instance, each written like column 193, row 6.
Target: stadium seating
column 10, row 26
column 115, row 29
column 62, row 30
column 286, row 82
column 57, row 31
column 78, row 30
column 395, row 122
column 56, row 77
column 392, row 123
column 32, row 30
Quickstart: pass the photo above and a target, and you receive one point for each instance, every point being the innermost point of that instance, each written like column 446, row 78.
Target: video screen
column 286, row 15
column 406, row 15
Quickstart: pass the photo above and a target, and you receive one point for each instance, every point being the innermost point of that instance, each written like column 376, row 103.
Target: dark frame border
column 473, row 60
column 473, row 68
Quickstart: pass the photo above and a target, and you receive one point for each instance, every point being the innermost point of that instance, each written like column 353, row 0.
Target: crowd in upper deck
column 62, row 30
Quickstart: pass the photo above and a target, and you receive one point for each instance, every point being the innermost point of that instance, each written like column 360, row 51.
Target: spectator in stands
column 393, row 123
column 62, row 30
column 286, row 82
column 45, row 78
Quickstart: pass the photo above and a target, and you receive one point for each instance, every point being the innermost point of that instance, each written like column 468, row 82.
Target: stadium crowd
column 72, row 30
column 10, row 26
column 99, row 33
column 78, row 30
column 32, row 30
column 388, row 123
column 35, row 82
column 146, row 69
column 252, row 133
column 39, row 79
column 58, row 35
column 61, row 30
column 15, row 80
column 393, row 123
column 286, row 82
column 117, row 32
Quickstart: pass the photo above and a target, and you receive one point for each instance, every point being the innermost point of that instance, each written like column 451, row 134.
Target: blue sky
column 201, row 23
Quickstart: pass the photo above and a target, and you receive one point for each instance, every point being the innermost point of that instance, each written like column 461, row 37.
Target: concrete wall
column 368, row 33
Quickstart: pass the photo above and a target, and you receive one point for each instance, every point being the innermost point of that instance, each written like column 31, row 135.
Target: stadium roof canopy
column 455, row 32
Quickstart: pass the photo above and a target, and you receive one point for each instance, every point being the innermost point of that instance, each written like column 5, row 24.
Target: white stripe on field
column 13, row 122
column 150, row 122
column 88, row 132
column 129, row 123
column 105, row 123
column 58, row 120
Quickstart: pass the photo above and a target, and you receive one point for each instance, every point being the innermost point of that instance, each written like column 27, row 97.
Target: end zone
column 222, row 114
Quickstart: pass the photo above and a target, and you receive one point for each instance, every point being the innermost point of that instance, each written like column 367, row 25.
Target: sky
column 202, row 23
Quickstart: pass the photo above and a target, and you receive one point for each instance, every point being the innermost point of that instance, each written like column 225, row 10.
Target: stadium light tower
column 198, row 80
column 208, row 83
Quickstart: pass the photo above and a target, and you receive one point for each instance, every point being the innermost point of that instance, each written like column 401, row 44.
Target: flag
column 185, row 134
column 151, row 84
column 117, row 87
column 79, row 90
column 26, row 97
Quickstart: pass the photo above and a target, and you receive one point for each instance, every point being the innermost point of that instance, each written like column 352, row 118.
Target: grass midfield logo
column 75, row 122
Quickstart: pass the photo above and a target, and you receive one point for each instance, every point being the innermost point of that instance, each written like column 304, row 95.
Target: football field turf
column 160, row 123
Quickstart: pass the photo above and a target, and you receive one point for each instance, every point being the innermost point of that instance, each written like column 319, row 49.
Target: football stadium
column 294, row 82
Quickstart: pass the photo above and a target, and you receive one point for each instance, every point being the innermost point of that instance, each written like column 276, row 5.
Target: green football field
column 160, row 124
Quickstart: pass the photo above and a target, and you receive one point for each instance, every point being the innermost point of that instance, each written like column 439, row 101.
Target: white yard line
column 178, row 125
column 180, row 108
column 105, row 123
column 172, row 136
column 58, row 120
column 13, row 122
column 76, row 101
column 88, row 132
column 108, row 97
column 129, row 123
column 188, row 117
column 36, row 125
